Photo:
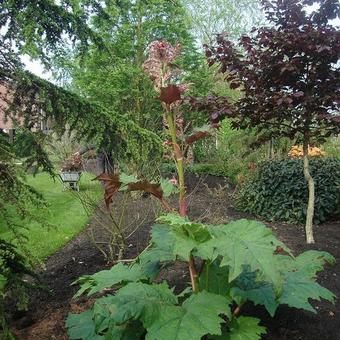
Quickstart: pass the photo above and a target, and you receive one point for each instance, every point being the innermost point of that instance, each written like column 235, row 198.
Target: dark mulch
column 209, row 200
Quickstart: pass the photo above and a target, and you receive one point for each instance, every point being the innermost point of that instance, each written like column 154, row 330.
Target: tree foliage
column 288, row 74
column 114, row 78
column 36, row 99
column 40, row 28
column 29, row 28
column 16, row 201
column 209, row 18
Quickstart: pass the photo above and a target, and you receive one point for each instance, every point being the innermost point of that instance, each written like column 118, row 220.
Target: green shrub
column 278, row 190
column 239, row 264
column 229, row 153
column 230, row 170
column 218, row 169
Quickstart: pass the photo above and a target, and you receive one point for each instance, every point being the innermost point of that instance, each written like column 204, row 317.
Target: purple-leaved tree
column 289, row 75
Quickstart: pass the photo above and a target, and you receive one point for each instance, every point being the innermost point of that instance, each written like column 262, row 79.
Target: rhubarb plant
column 229, row 264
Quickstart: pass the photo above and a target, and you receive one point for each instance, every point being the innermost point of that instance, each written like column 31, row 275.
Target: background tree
column 289, row 76
column 236, row 17
column 41, row 28
column 114, row 78
column 27, row 28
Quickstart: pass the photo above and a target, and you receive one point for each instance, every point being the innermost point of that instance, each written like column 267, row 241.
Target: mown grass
column 64, row 217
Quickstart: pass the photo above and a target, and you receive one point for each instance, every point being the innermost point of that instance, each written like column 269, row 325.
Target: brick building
column 8, row 125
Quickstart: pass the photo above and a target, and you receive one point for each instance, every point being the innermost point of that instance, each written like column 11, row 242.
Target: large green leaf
column 214, row 278
column 101, row 315
column 163, row 241
column 178, row 236
column 248, row 288
column 174, row 219
column 188, row 238
column 298, row 288
column 198, row 316
column 134, row 302
column 245, row 328
column 242, row 243
column 142, row 301
column 150, row 262
column 133, row 330
column 97, row 323
column 168, row 187
column 107, row 278
column 163, row 250
column 82, row 326
column 162, row 238
column 310, row 262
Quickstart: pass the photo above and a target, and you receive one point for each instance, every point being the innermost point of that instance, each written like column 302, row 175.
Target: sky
column 36, row 67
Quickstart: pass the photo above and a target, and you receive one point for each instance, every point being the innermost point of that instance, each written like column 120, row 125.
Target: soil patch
column 210, row 201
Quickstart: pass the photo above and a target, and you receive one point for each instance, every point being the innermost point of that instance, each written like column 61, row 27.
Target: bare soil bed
column 210, row 201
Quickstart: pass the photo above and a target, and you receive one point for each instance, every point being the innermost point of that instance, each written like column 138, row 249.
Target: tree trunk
column 311, row 194
column 271, row 149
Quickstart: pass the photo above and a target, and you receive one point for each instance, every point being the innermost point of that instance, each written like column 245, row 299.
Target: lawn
column 65, row 214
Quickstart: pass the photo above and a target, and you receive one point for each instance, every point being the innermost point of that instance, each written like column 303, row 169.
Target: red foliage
column 196, row 136
column 112, row 184
column 151, row 188
column 73, row 163
column 170, row 94
column 215, row 107
column 288, row 73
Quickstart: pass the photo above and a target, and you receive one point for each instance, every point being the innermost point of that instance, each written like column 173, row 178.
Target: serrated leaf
column 104, row 310
column 163, row 241
column 179, row 237
column 245, row 328
column 150, row 262
column 184, row 292
column 170, row 94
column 81, row 326
column 174, row 219
column 198, row 316
column 126, row 179
column 214, row 278
column 168, row 187
column 189, row 237
column 101, row 317
column 248, row 288
column 163, row 244
column 159, row 292
column 133, row 330
column 310, row 262
column 107, row 278
column 138, row 301
column 298, row 288
column 242, row 243
column 111, row 184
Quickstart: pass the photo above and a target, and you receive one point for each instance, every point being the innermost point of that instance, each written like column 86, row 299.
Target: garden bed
column 209, row 201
